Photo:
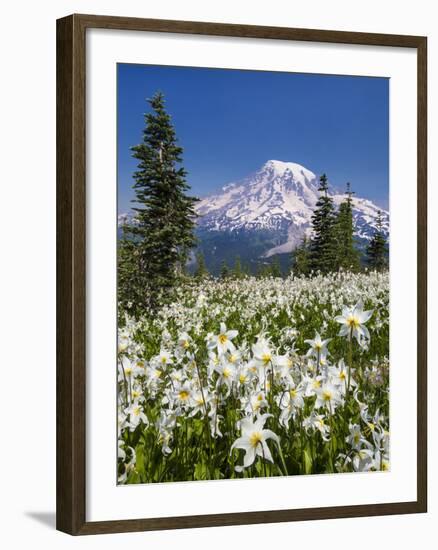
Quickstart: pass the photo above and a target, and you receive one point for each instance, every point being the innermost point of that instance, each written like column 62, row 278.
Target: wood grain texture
column 71, row 265
column 71, row 270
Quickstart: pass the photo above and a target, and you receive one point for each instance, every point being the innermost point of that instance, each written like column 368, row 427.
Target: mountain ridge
column 267, row 213
column 280, row 196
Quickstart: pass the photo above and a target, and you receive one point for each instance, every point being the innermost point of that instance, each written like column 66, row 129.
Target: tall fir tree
column 323, row 245
column 347, row 255
column 377, row 252
column 161, row 238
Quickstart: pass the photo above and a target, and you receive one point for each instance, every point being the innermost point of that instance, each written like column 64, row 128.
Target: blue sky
column 231, row 122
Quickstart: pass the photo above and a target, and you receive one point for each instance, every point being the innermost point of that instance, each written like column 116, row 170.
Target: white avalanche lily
column 136, row 415
column 253, row 440
column 318, row 346
column 262, row 353
column 327, row 396
column 164, row 358
column 222, row 341
column 353, row 321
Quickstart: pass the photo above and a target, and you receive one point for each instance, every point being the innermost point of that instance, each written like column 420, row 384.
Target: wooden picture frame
column 71, row 273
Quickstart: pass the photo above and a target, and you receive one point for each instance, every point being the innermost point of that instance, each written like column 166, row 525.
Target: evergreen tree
column 201, row 268
column 377, row 249
column 275, row 267
column 263, row 270
column 347, row 254
column 247, row 270
column 301, row 258
column 128, row 288
column 237, row 271
column 163, row 235
column 323, row 246
column 225, row 270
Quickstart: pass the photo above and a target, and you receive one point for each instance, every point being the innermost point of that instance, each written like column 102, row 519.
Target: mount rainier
column 268, row 213
column 274, row 205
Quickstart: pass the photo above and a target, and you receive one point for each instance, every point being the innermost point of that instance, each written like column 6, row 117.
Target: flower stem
column 350, row 362
column 283, row 463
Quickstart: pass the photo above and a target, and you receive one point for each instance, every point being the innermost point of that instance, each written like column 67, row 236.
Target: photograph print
column 253, row 274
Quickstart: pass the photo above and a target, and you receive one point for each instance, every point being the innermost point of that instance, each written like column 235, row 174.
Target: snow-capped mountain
column 277, row 201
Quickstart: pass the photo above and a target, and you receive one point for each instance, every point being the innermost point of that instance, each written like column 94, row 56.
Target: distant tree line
column 332, row 245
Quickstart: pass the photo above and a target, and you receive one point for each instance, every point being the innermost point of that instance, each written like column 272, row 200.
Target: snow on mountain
column 278, row 198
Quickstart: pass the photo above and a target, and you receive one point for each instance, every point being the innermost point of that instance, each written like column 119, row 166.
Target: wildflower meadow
column 248, row 377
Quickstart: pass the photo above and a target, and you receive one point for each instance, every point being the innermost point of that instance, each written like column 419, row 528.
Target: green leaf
column 139, row 457
column 308, row 463
column 200, row 471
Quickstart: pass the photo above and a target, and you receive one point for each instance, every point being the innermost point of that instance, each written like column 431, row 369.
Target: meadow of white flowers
column 257, row 377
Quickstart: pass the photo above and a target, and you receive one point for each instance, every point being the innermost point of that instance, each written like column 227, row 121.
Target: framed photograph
column 241, row 274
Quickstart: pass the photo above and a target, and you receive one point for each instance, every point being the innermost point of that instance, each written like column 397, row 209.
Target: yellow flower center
column 128, row 371
column 185, row 344
column 226, row 372
column 327, row 395
column 136, row 411
column 222, row 338
column 353, row 322
column 242, row 378
column 318, row 346
column 233, row 358
column 342, row 375
column 255, row 438
column 316, row 383
column 266, row 357
column 183, row 395
column 135, row 394
column 164, row 359
column 293, row 393
column 157, row 373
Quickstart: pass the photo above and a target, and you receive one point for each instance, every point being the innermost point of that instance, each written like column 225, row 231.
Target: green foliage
column 377, row 253
column 153, row 254
column 333, row 245
column 323, row 246
column 201, row 269
column 301, row 258
column 347, row 256
column 225, row 270
column 275, row 267
column 263, row 270
column 237, row 271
